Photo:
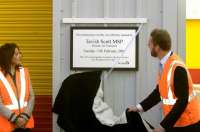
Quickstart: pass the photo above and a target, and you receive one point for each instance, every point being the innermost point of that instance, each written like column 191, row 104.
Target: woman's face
column 16, row 60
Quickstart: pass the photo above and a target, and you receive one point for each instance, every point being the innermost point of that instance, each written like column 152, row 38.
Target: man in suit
column 174, row 88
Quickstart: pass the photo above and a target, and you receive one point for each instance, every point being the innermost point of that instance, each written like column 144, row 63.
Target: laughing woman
column 16, row 93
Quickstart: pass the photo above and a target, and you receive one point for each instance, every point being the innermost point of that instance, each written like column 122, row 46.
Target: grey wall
column 123, row 88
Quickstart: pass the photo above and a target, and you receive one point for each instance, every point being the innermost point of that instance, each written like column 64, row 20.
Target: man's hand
column 21, row 122
column 159, row 129
column 133, row 109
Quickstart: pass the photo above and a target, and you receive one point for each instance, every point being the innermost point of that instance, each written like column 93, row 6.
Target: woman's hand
column 21, row 122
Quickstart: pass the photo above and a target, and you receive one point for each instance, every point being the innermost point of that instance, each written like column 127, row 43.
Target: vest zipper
column 14, row 80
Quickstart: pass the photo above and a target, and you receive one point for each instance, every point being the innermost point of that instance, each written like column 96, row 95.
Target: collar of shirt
column 165, row 58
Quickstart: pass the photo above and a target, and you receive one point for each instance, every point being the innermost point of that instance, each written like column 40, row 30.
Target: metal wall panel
column 122, row 88
column 170, row 20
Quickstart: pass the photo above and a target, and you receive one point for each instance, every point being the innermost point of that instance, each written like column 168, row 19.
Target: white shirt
column 165, row 58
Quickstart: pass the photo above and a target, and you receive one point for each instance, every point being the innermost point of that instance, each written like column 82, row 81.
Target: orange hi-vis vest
column 191, row 114
column 8, row 95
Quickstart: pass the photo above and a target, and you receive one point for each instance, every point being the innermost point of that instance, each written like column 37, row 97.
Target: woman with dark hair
column 16, row 93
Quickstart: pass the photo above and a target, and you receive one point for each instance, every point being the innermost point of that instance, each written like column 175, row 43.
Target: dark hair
column 161, row 38
column 6, row 54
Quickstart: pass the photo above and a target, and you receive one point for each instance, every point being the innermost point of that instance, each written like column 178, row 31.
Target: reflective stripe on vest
column 170, row 100
column 14, row 105
column 23, row 87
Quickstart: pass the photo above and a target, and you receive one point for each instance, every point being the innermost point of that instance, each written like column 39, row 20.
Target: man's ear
column 157, row 48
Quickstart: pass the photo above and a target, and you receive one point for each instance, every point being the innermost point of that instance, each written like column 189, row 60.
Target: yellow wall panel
column 193, row 44
column 29, row 24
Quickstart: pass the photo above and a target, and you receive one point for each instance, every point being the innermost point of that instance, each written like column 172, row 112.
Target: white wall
column 123, row 88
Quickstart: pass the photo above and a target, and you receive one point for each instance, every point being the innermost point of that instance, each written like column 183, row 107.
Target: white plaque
column 104, row 47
